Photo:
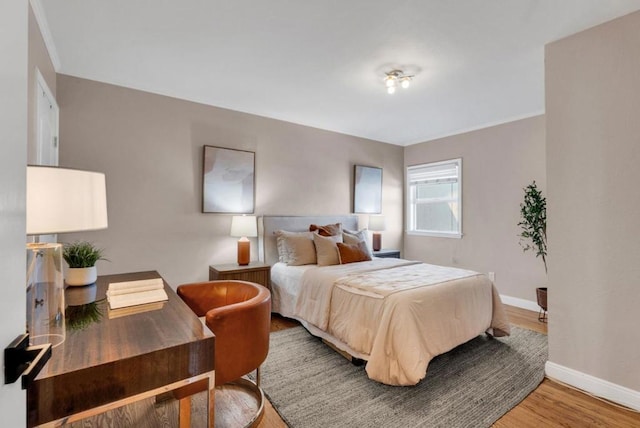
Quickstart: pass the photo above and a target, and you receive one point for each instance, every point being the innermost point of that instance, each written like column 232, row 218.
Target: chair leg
column 251, row 387
column 258, row 376
column 212, row 402
column 185, row 412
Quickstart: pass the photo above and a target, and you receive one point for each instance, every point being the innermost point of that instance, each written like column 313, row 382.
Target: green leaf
column 533, row 213
column 82, row 254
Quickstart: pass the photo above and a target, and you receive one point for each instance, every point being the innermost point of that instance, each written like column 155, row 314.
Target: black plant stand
column 541, row 294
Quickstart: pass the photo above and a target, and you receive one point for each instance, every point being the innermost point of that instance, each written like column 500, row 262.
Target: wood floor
column 550, row 405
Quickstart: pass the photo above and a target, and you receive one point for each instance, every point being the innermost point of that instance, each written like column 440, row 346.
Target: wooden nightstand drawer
column 259, row 273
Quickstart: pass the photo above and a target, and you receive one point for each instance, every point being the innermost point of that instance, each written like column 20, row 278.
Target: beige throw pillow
column 326, row 249
column 296, row 248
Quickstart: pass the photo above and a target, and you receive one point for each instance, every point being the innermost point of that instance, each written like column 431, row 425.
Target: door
column 47, row 113
column 13, row 159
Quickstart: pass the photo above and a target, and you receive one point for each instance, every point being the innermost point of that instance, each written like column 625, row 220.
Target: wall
column 38, row 57
column 593, row 153
column 13, row 143
column 497, row 163
column 150, row 148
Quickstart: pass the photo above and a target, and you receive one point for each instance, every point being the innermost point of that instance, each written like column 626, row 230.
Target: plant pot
column 541, row 294
column 81, row 276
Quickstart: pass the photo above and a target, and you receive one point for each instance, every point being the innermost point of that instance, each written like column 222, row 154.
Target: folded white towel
column 131, row 293
column 133, row 286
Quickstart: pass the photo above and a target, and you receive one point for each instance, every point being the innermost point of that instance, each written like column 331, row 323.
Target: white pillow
column 295, row 248
column 327, row 249
column 354, row 236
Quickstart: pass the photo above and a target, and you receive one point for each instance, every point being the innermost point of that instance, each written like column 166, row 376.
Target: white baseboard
column 520, row 303
column 596, row 386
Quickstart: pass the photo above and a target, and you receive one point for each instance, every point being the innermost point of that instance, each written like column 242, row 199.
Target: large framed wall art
column 228, row 181
column 367, row 190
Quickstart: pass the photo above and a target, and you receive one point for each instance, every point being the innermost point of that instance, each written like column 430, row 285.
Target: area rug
column 473, row 385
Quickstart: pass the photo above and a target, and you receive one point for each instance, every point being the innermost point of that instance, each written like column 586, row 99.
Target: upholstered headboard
column 268, row 224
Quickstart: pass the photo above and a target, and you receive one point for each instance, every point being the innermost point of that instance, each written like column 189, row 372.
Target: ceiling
column 321, row 63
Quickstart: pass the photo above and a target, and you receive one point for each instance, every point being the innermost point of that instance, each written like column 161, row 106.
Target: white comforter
column 399, row 314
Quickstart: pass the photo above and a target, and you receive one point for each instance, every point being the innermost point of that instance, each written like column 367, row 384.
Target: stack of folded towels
column 131, row 293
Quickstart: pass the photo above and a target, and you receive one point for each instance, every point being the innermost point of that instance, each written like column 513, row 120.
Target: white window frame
column 410, row 209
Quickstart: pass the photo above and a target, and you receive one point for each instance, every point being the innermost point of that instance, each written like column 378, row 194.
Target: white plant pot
column 81, row 276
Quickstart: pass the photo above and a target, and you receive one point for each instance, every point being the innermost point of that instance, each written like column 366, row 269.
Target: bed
column 395, row 314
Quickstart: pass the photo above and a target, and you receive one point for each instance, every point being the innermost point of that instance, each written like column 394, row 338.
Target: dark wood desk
column 121, row 359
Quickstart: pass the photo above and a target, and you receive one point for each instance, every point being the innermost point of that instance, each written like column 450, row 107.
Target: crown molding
column 41, row 19
column 476, row 128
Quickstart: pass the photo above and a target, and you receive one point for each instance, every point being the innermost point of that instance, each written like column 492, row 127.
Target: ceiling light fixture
column 395, row 78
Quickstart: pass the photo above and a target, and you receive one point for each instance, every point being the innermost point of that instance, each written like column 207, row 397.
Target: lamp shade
column 244, row 226
column 376, row 222
column 63, row 200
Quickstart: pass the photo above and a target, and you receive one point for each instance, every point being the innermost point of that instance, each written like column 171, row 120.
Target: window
column 434, row 199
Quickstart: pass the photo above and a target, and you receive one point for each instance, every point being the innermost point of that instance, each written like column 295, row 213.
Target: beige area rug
column 471, row 386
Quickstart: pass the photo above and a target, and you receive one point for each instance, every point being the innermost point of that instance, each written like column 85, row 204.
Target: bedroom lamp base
column 377, row 241
column 45, row 294
column 244, row 251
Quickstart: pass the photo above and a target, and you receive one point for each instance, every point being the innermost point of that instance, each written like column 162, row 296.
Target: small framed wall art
column 228, row 181
column 367, row 190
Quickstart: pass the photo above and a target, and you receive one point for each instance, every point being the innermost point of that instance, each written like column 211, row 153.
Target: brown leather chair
column 239, row 314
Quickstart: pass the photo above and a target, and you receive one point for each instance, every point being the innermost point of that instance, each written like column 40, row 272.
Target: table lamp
column 244, row 226
column 59, row 200
column 376, row 224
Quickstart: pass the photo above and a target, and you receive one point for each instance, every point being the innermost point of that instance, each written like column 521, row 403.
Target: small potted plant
column 533, row 213
column 81, row 258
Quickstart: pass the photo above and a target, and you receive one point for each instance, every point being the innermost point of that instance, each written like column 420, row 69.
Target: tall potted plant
column 533, row 221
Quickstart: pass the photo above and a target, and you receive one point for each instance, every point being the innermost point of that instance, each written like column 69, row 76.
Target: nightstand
column 257, row 272
column 387, row 254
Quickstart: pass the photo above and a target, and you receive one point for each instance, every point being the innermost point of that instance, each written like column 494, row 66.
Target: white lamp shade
column 376, row 222
column 244, row 226
column 63, row 200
